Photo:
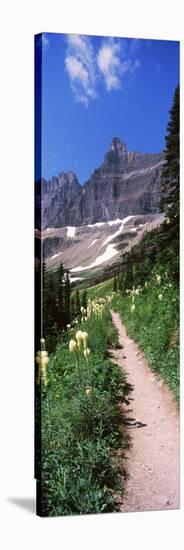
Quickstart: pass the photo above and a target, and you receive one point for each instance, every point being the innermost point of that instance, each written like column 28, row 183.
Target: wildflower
column 85, row 338
column 42, row 361
column 132, row 307
column 87, row 353
column 137, row 290
column 88, row 390
column 42, row 341
column 158, row 278
column 145, row 284
column 160, row 297
column 79, row 338
column 76, row 321
column 68, row 326
column 73, row 346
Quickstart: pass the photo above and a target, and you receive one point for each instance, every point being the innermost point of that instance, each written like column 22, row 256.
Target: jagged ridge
column 126, row 183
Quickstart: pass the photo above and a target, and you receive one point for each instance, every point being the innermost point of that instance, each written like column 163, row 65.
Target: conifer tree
column 169, row 204
column 67, row 291
column 61, row 298
column 84, row 299
column 72, row 307
column 78, row 304
column 115, row 285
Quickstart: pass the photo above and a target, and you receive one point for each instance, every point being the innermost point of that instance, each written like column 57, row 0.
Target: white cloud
column 80, row 66
column 86, row 66
column 115, row 59
column 109, row 63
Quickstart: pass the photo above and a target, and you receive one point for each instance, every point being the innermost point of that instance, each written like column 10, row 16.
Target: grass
column 101, row 290
column 82, row 432
column 154, row 325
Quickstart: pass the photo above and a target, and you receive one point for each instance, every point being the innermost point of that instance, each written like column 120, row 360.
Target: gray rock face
column 126, row 183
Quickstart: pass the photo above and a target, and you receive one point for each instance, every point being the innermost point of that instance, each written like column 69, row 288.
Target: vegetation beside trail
column 81, row 420
column 151, row 316
column 147, row 291
column 82, row 424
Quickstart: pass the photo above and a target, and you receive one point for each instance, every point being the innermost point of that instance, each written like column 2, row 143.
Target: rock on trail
column 153, row 459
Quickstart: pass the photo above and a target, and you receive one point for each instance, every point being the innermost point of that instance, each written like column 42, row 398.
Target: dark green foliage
column 78, row 304
column 56, row 304
column 67, row 292
column 129, row 269
column 154, row 324
column 169, row 203
column 115, row 285
column 80, row 433
column 61, row 298
column 72, row 307
column 84, row 299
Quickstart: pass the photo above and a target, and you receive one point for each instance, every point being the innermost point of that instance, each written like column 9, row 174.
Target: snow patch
column 55, row 256
column 107, row 255
column 93, row 242
column 73, row 279
column 111, row 237
column 98, row 224
column 71, row 232
column 115, row 222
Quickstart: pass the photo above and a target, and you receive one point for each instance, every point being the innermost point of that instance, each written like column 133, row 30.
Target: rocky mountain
column 127, row 183
column 89, row 250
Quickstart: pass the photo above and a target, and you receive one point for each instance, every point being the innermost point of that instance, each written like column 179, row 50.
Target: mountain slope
column 87, row 251
column 127, row 183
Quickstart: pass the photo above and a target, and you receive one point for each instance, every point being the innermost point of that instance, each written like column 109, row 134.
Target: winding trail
column 153, row 458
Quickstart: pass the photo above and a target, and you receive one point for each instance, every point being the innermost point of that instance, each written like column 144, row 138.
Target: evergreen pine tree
column 84, row 299
column 115, row 285
column 78, row 304
column 169, row 204
column 61, row 298
column 67, row 291
column 72, row 307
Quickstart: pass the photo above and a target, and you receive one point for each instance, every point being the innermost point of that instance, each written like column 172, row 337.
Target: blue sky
column 95, row 88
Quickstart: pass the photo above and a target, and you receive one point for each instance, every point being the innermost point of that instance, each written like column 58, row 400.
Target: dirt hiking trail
column 153, row 458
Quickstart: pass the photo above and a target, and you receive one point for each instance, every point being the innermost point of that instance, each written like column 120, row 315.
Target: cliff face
column 126, row 183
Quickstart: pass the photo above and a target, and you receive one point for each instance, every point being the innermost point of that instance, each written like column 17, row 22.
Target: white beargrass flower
column 73, row 346
column 68, row 326
column 160, row 297
column 88, row 390
column 85, row 338
column 78, row 337
column 132, row 307
column 87, row 353
column 158, row 278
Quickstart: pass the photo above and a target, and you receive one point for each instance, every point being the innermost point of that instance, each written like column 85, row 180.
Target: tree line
column 161, row 245
column 60, row 306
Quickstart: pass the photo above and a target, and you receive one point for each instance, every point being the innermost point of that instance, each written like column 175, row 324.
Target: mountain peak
column 118, row 147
